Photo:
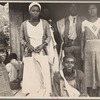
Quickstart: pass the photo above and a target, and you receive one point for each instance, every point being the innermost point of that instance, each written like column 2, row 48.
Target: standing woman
column 35, row 37
column 91, row 50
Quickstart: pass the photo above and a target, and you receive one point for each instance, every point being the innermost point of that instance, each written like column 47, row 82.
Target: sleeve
column 64, row 92
column 83, row 39
column 83, row 26
column 15, row 63
column 8, row 68
column 21, row 35
column 48, row 33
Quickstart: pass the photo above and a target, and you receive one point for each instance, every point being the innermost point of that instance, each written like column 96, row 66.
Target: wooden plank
column 16, row 18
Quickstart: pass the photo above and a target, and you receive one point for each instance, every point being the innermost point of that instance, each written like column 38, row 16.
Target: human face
column 34, row 12
column 2, row 55
column 69, row 64
column 92, row 10
column 73, row 10
column 46, row 13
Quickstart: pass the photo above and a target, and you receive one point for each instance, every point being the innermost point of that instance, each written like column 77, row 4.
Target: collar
column 72, row 17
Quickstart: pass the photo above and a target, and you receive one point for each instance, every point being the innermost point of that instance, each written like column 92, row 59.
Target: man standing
column 72, row 33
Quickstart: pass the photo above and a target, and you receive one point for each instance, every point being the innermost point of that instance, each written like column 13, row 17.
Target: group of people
column 69, row 70
column 80, row 37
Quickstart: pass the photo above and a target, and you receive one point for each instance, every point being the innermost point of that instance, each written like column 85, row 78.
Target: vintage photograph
column 49, row 49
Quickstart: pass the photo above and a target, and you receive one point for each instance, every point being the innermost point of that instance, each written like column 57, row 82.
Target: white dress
column 36, row 76
column 92, row 53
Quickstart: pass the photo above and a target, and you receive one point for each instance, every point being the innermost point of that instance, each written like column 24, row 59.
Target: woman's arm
column 22, row 35
column 83, row 39
column 23, row 41
column 47, row 33
column 82, row 45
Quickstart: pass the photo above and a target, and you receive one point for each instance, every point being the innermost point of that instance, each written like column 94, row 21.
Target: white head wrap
column 34, row 3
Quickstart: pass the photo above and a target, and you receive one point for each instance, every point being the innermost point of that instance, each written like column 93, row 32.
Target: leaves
column 4, row 24
column 4, row 38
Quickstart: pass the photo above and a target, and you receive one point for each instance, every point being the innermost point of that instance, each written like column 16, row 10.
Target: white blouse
column 35, row 33
column 93, row 26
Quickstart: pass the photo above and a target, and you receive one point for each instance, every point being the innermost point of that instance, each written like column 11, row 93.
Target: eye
column 72, row 62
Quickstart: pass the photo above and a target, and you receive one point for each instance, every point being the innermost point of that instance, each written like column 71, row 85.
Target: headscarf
column 33, row 4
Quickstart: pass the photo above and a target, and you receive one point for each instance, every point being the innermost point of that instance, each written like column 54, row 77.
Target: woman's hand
column 39, row 48
column 30, row 47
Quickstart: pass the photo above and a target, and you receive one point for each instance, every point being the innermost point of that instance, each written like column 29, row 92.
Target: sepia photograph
column 50, row 49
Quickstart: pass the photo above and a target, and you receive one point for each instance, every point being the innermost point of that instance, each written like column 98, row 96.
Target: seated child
column 14, row 69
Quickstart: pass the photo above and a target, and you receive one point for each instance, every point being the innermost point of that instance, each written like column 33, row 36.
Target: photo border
column 50, row 1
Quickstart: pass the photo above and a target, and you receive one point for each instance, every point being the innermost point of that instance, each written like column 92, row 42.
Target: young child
column 14, row 69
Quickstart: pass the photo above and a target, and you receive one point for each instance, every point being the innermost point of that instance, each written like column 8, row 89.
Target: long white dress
column 36, row 76
column 92, row 52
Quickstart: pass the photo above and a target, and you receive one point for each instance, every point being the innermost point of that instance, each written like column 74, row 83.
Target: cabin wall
column 16, row 18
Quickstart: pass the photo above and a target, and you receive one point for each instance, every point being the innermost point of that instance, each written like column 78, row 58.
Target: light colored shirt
column 72, row 27
column 93, row 26
column 12, row 69
column 12, row 72
column 35, row 33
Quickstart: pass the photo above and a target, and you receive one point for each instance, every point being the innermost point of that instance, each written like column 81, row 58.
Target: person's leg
column 98, row 72
column 56, row 85
column 95, row 93
column 98, row 91
column 90, row 91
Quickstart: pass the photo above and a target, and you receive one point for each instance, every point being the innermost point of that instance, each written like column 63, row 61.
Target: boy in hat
column 74, row 77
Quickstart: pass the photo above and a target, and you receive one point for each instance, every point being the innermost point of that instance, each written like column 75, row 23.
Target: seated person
column 69, row 81
column 4, row 78
column 14, row 69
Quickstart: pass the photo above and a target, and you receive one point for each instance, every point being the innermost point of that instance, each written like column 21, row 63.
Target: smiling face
column 69, row 64
column 92, row 10
column 34, row 12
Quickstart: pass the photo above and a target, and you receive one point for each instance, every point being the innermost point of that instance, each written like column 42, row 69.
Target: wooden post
column 16, row 18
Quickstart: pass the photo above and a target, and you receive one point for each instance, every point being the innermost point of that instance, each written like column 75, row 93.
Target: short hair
column 68, row 56
column 93, row 4
column 12, row 56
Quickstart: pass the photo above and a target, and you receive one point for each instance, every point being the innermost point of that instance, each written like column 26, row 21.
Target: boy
column 73, row 76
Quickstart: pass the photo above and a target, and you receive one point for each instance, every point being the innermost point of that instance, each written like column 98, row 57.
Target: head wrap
column 33, row 4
